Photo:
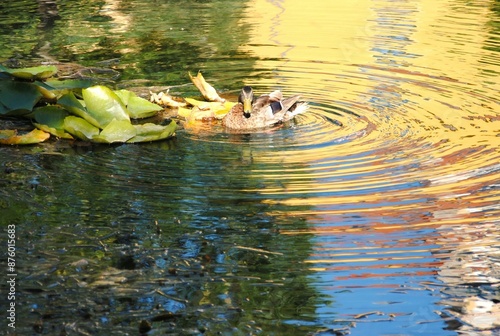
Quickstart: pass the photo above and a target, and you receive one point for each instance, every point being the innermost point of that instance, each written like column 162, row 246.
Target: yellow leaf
column 46, row 93
column 184, row 112
column 207, row 90
column 203, row 109
column 33, row 137
column 4, row 134
column 194, row 102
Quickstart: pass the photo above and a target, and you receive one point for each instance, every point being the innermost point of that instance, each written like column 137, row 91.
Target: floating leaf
column 104, row 105
column 3, row 109
column 54, row 131
column 18, row 98
column 137, row 107
column 184, row 112
column 76, row 107
column 207, row 90
column 165, row 99
column 4, row 134
column 46, row 93
column 124, row 95
column 141, row 108
column 39, row 72
column 153, row 132
column 51, row 119
column 204, row 109
column 80, row 128
column 10, row 137
column 195, row 102
column 69, row 84
column 116, row 131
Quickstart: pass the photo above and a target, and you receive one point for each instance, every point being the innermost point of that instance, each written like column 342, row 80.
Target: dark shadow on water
column 109, row 236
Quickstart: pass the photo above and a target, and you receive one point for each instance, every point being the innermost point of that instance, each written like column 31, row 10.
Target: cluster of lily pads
column 74, row 109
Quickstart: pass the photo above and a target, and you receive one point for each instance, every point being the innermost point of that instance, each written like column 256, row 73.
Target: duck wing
column 264, row 101
column 280, row 108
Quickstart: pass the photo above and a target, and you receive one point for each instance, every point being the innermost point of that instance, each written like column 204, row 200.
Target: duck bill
column 247, row 107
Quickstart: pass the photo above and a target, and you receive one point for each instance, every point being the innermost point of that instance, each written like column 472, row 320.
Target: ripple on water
column 381, row 177
column 384, row 172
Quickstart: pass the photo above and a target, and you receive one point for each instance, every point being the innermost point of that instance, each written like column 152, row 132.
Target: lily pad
column 51, row 119
column 116, row 131
column 124, row 95
column 3, row 109
column 137, row 107
column 10, row 137
column 76, row 107
column 153, row 132
column 46, row 93
column 18, row 98
column 4, row 134
column 39, row 72
column 80, row 128
column 104, row 105
column 69, row 84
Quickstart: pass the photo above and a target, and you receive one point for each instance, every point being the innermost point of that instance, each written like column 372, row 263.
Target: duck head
column 246, row 99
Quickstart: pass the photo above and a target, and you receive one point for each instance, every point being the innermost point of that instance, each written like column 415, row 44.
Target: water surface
column 377, row 212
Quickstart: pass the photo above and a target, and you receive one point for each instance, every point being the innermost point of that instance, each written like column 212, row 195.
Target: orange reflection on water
column 399, row 152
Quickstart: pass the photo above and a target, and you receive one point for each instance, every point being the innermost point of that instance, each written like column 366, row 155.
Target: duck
column 264, row 111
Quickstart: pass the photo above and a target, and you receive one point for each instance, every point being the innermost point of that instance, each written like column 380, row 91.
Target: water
column 377, row 212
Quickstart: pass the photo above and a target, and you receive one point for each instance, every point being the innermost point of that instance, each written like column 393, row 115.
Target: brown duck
column 264, row 111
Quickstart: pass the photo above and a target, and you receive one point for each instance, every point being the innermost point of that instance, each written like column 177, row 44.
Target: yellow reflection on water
column 416, row 75
column 332, row 31
column 352, row 32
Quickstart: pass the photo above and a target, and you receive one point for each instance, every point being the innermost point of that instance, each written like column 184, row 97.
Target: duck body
column 264, row 111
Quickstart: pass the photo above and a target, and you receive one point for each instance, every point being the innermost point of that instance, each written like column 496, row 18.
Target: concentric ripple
column 420, row 158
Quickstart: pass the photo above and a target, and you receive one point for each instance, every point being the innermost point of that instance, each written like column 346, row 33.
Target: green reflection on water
column 159, row 42
column 220, row 258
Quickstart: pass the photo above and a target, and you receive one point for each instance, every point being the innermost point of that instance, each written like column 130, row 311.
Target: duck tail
column 298, row 108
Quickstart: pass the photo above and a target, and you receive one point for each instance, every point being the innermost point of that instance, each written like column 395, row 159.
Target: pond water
column 375, row 213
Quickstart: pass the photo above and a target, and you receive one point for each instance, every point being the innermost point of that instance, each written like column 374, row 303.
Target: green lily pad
column 39, row 72
column 3, row 109
column 141, row 108
column 116, row 131
column 104, row 105
column 80, row 128
column 18, row 98
column 124, row 95
column 69, row 84
column 10, row 137
column 51, row 119
column 137, row 107
column 153, row 132
column 76, row 107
